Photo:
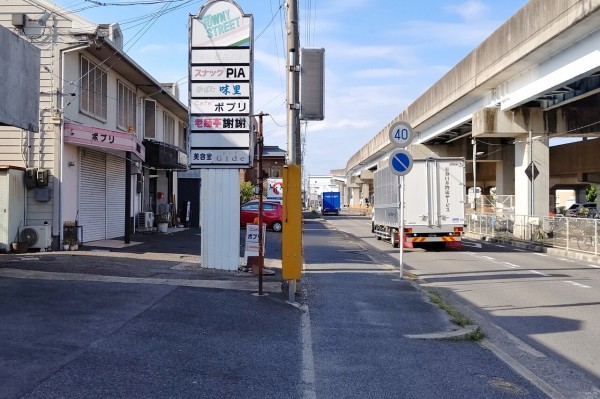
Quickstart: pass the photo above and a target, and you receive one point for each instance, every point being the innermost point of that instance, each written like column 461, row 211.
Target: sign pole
column 261, row 253
column 401, row 224
column 400, row 164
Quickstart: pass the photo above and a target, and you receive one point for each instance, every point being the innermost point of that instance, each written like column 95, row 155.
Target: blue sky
column 380, row 55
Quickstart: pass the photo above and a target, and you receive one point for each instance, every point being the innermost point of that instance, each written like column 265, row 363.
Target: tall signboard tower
column 220, row 105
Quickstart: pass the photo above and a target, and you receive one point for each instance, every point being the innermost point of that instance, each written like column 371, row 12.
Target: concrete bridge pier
column 526, row 126
column 532, row 199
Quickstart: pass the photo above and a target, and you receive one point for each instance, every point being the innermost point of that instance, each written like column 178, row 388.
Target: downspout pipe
column 62, row 132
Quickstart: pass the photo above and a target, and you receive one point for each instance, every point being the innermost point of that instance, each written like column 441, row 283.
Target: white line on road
column 511, row 265
column 577, row 284
column 487, row 257
column 595, row 266
column 540, row 273
column 308, row 361
column 567, row 260
column 500, row 246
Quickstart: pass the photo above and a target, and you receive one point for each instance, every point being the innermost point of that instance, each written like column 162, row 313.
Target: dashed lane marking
column 577, row 284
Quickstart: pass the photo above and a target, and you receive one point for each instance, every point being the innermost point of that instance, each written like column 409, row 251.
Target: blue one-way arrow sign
column 400, row 162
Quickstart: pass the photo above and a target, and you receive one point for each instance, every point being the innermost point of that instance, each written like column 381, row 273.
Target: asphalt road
column 539, row 310
column 148, row 323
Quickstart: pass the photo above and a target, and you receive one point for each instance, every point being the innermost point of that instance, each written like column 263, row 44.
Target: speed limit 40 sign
column 401, row 134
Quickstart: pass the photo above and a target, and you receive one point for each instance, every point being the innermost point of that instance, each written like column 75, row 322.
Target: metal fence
column 577, row 234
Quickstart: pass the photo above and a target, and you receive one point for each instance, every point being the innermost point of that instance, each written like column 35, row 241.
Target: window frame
column 126, row 107
column 146, row 124
column 93, row 96
column 168, row 128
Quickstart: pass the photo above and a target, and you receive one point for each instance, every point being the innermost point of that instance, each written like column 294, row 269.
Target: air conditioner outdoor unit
column 37, row 236
column 146, row 219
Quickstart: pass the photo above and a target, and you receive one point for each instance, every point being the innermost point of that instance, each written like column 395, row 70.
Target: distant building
column 272, row 164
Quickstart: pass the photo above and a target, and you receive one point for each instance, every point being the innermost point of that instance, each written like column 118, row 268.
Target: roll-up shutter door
column 92, row 195
column 115, row 197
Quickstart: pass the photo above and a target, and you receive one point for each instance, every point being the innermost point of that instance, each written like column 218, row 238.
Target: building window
column 93, row 90
column 126, row 108
column 182, row 136
column 169, row 129
column 149, row 119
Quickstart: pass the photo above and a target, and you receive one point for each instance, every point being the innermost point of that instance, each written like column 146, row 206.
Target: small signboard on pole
column 252, row 242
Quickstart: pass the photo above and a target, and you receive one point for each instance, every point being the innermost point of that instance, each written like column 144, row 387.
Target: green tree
column 590, row 194
column 246, row 191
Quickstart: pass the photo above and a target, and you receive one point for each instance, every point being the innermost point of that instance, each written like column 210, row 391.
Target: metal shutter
column 115, row 197
column 92, row 195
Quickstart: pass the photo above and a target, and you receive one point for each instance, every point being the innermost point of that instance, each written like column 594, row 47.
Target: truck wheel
column 394, row 238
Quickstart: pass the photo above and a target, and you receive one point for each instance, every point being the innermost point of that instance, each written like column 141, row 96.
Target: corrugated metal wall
column 220, row 218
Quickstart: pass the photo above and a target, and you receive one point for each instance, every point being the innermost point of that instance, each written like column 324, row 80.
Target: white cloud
column 470, row 10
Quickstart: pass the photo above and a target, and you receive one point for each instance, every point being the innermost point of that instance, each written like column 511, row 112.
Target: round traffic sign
column 400, row 162
column 401, row 134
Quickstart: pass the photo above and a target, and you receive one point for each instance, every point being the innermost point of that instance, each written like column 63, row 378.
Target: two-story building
column 111, row 138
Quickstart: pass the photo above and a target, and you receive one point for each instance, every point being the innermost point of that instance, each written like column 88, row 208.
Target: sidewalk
column 171, row 258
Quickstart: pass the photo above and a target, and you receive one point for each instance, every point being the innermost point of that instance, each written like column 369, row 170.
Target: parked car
column 272, row 214
column 587, row 209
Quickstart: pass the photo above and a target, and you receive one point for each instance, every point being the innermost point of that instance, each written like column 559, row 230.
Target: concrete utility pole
column 293, row 83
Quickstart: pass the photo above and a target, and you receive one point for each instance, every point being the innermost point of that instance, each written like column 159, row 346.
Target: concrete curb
column 458, row 335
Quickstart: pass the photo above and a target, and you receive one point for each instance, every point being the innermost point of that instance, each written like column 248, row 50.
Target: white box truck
column 434, row 203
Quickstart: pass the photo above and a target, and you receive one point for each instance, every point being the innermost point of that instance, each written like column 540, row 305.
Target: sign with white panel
column 220, row 140
column 224, row 90
column 219, row 123
column 220, row 106
column 218, row 157
column 221, row 72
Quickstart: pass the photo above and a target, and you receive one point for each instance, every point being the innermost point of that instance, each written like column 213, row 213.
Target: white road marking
column 308, row 362
column 472, row 244
column 487, row 257
column 511, row 265
column 567, row 260
column 500, row 246
column 540, row 273
column 595, row 266
column 577, row 284
column 538, row 254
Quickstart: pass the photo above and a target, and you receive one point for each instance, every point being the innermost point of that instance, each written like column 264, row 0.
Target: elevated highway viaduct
column 534, row 81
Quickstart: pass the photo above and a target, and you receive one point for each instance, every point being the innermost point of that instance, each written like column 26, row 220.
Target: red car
column 272, row 214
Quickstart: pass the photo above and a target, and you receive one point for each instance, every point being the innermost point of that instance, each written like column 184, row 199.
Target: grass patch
column 455, row 316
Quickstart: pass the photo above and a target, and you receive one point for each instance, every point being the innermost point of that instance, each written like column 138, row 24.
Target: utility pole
column 292, row 258
column 293, row 84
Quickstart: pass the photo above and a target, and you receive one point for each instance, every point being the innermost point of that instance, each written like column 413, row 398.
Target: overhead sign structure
column 400, row 162
column 220, row 94
column 401, row 134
